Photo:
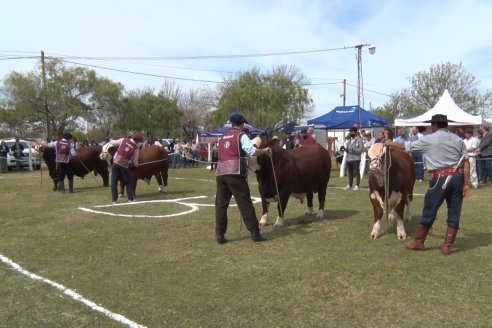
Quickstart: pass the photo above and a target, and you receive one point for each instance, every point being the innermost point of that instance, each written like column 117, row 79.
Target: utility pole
column 344, row 91
column 43, row 72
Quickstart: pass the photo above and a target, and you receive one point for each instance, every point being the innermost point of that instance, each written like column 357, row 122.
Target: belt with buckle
column 447, row 171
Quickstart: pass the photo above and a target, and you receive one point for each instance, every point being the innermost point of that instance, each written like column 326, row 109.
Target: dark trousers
column 435, row 196
column 419, row 165
column 353, row 169
column 237, row 186
column 64, row 170
column 118, row 172
column 486, row 169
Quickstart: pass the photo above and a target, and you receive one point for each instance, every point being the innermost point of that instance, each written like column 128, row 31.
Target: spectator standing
column 354, row 148
column 401, row 136
column 415, row 134
column 4, row 150
column 485, row 152
column 17, row 149
column 310, row 132
column 471, row 146
column 306, row 139
column 290, row 141
column 64, row 149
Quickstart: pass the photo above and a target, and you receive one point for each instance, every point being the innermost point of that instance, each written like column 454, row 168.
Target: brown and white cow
column 299, row 172
column 86, row 161
column 394, row 169
column 153, row 161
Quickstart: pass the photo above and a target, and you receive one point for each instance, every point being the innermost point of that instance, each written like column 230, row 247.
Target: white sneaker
column 348, row 187
column 114, row 203
column 356, row 188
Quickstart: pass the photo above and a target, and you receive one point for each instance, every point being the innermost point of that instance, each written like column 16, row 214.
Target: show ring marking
column 182, row 201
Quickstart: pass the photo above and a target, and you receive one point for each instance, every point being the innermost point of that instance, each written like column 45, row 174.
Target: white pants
column 473, row 171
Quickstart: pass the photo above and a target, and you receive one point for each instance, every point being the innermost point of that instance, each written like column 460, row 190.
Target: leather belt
column 447, row 171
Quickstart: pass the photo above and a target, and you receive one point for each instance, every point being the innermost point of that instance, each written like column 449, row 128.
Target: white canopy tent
column 446, row 106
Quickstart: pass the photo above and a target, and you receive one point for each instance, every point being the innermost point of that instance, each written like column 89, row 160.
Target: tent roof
column 287, row 127
column 446, row 106
column 345, row 117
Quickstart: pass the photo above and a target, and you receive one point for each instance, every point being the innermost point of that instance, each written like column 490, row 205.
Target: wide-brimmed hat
column 438, row 118
column 237, row 119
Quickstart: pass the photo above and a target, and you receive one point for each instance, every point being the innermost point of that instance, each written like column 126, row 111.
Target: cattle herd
column 300, row 172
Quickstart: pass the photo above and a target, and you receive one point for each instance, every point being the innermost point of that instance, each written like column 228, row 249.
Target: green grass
column 169, row 272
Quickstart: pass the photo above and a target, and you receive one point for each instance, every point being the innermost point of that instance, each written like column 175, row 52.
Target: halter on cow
column 391, row 187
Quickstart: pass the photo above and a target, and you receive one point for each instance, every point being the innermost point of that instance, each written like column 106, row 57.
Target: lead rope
column 386, row 181
column 276, row 187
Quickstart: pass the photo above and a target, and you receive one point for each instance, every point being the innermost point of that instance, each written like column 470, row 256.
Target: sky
column 410, row 36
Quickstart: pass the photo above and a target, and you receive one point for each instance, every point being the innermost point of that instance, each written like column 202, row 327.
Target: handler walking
column 446, row 156
column 64, row 149
column 231, row 179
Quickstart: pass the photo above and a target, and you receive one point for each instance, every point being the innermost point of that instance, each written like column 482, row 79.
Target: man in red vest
column 64, row 149
column 127, row 153
column 231, row 179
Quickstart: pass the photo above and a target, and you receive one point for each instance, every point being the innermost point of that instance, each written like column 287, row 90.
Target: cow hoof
column 374, row 236
column 262, row 224
column 402, row 237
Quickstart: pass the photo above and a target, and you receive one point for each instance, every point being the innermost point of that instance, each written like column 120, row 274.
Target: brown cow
column 395, row 169
column 299, row 172
column 152, row 161
column 86, row 161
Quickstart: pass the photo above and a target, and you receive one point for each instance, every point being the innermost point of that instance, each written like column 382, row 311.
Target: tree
column 196, row 107
column 65, row 101
column 145, row 111
column 265, row 99
column 428, row 86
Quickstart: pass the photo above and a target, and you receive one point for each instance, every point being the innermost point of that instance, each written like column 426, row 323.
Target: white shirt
column 472, row 142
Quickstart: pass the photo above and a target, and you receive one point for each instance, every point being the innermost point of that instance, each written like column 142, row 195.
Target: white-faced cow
column 153, row 161
column 391, row 180
column 86, row 161
column 299, row 172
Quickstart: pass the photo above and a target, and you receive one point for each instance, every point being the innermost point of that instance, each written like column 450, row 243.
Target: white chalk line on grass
column 182, row 201
column 71, row 293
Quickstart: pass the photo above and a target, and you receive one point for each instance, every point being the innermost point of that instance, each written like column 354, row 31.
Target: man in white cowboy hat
column 446, row 156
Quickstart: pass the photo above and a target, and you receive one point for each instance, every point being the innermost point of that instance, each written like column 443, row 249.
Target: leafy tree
column 64, row 101
column 265, row 99
column 196, row 107
column 145, row 111
column 428, row 86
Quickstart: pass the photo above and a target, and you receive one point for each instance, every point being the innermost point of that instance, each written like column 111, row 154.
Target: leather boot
column 256, row 236
column 449, row 240
column 70, row 186
column 220, row 238
column 420, row 236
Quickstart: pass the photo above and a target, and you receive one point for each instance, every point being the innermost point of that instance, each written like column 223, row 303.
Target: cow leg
column 281, row 206
column 377, row 206
column 408, row 210
column 309, row 197
column 163, row 185
column 264, row 216
column 398, row 215
column 321, row 201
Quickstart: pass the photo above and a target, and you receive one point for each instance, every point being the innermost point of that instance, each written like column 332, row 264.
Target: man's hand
column 466, row 192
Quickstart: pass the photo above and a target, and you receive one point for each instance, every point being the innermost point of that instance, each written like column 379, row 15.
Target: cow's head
column 376, row 154
column 107, row 153
column 41, row 146
column 262, row 166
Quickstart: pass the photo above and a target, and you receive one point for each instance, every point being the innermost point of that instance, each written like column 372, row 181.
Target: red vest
column 125, row 152
column 63, row 151
column 232, row 159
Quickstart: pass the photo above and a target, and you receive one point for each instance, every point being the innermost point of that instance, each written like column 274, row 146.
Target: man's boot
column 70, row 186
column 256, row 236
column 420, row 236
column 449, row 240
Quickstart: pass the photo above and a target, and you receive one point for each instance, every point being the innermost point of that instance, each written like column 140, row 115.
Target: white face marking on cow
column 375, row 153
column 253, row 164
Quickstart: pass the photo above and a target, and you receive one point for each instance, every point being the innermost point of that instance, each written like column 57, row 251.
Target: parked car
column 28, row 147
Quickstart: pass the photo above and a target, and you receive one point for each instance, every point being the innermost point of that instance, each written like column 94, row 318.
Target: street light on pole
column 360, row 80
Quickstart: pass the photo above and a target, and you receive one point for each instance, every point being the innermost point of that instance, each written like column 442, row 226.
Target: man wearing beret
column 231, row 179
column 446, row 156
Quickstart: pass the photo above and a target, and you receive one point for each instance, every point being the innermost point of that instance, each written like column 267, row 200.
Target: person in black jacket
column 4, row 150
column 17, row 149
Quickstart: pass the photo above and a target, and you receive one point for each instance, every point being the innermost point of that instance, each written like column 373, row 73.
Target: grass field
column 165, row 270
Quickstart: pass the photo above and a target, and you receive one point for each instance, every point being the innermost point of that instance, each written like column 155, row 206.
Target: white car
column 36, row 163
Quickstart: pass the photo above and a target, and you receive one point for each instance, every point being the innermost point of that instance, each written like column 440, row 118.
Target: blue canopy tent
column 345, row 117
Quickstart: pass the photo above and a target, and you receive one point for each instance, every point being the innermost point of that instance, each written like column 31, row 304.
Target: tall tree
column 428, row 86
column 266, row 99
